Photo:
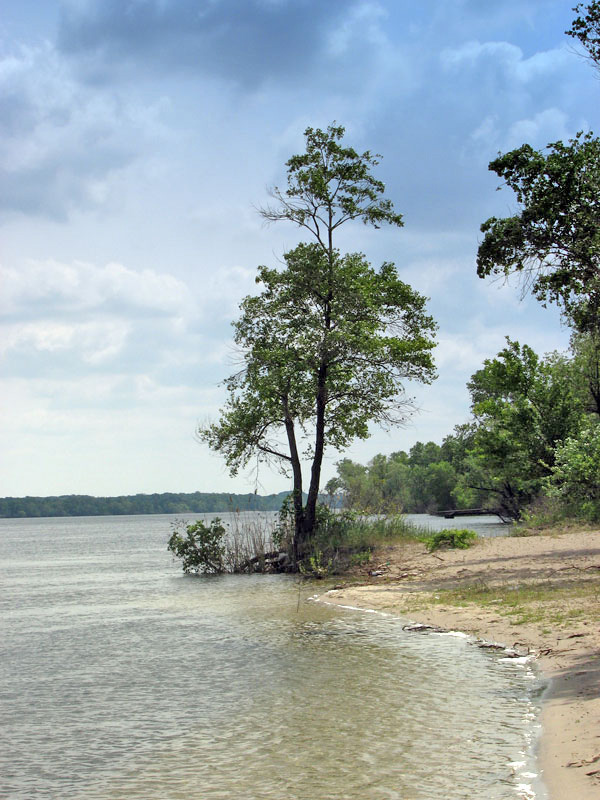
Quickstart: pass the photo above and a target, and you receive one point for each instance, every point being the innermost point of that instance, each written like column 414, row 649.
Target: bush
column 201, row 548
column 461, row 539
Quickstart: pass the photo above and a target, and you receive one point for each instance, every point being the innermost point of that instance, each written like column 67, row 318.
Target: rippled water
column 121, row 678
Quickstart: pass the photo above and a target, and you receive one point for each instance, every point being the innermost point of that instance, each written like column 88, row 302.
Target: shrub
column 461, row 539
column 201, row 548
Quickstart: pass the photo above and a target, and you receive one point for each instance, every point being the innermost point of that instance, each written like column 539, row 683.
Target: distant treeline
column 80, row 505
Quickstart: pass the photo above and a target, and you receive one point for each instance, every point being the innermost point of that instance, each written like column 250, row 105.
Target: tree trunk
column 299, row 516
column 310, row 516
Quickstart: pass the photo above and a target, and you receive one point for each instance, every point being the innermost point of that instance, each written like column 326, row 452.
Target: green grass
column 539, row 603
column 347, row 540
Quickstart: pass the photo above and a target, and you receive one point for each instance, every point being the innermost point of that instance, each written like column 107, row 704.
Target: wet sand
column 557, row 619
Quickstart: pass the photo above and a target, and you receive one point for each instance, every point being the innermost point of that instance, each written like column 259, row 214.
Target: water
column 484, row 525
column 121, row 678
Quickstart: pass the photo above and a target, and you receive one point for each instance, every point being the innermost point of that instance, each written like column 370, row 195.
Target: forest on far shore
column 79, row 505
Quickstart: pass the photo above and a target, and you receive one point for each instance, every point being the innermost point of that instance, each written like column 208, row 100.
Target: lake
column 123, row 678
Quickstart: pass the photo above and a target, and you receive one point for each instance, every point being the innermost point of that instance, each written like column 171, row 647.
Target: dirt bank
column 539, row 594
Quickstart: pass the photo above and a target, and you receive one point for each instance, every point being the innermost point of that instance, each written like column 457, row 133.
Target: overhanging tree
column 586, row 28
column 553, row 241
column 326, row 344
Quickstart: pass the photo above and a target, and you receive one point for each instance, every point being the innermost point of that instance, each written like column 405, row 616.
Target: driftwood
column 274, row 561
column 419, row 627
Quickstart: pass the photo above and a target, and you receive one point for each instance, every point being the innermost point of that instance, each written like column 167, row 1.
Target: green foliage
column 315, row 565
column 586, row 29
column 461, row 539
column 415, row 482
column 575, row 478
column 553, row 242
column 201, row 549
column 523, row 407
column 329, row 185
column 317, row 322
column 361, row 558
column 345, row 538
column 586, row 368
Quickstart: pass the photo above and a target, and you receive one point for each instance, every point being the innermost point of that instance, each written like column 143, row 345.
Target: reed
column 248, row 542
column 345, row 539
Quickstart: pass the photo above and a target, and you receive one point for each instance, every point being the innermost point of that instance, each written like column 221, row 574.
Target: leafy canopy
column 341, row 332
column 575, row 478
column 523, row 408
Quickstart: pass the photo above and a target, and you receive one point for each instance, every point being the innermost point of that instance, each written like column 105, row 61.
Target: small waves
column 124, row 679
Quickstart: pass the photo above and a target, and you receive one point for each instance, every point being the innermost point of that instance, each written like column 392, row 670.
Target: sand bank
column 537, row 594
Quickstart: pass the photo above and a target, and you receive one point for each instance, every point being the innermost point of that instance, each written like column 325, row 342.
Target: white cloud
column 60, row 141
column 505, row 57
column 67, row 319
column 80, row 286
column 96, row 342
column 545, row 126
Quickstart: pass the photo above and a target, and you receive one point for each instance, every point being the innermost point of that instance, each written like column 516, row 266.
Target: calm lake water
column 121, row 678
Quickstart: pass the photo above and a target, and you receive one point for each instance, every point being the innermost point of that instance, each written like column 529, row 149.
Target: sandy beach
column 536, row 594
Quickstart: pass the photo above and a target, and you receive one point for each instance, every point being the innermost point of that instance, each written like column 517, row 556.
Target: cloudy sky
column 138, row 136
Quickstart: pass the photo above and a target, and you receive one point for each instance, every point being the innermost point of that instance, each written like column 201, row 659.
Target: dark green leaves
column 365, row 330
column 524, row 407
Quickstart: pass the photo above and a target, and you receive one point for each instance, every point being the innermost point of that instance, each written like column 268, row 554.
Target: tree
column 524, row 407
column 586, row 363
column 553, row 242
column 575, row 478
column 328, row 341
column 325, row 347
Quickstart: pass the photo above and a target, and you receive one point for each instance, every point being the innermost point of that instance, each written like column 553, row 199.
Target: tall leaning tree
column 327, row 343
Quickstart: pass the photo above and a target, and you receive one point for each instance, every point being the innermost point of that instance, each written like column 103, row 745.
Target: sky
column 137, row 139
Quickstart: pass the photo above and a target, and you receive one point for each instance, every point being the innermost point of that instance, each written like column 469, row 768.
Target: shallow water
column 121, row 678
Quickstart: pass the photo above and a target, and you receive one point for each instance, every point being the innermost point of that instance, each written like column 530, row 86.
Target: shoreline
column 469, row 591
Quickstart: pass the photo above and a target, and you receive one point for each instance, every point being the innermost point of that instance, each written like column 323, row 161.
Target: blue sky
column 138, row 136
